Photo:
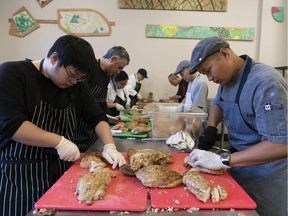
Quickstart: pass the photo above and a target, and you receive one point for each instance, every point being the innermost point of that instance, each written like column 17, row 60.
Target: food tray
column 169, row 118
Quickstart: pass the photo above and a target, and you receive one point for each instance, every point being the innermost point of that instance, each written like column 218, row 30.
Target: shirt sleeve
column 131, row 85
column 13, row 111
column 200, row 94
column 110, row 94
column 270, row 105
column 127, row 95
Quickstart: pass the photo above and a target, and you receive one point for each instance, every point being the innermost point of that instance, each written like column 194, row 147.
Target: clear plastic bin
column 170, row 118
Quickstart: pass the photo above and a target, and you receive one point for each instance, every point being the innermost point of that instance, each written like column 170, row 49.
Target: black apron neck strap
column 246, row 71
column 41, row 66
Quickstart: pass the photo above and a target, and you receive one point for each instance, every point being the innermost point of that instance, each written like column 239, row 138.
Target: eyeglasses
column 72, row 78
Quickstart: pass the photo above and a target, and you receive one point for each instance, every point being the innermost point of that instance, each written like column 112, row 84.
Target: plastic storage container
column 170, row 118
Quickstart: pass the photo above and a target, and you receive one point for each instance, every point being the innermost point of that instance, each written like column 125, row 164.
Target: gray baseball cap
column 183, row 64
column 205, row 48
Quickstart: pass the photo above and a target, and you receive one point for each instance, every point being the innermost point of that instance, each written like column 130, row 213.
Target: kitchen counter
column 123, row 145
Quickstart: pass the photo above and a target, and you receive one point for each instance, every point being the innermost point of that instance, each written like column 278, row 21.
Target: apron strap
column 247, row 70
column 243, row 80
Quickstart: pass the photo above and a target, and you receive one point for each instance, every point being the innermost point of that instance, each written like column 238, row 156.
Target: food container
column 170, row 118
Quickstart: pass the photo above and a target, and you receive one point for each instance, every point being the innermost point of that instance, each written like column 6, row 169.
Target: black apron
column 134, row 98
column 114, row 111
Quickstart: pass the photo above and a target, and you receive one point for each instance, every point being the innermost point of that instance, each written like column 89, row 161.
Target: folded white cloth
column 181, row 140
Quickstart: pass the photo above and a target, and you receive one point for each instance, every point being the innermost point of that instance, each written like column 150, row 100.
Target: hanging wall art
column 185, row 5
column 198, row 32
column 278, row 13
column 79, row 22
column 22, row 23
column 43, row 3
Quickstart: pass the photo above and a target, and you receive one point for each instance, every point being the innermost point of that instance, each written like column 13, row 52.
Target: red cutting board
column 123, row 194
column 182, row 198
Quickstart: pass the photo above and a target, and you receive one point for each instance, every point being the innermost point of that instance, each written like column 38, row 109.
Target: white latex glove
column 206, row 159
column 114, row 157
column 139, row 96
column 67, row 150
column 119, row 107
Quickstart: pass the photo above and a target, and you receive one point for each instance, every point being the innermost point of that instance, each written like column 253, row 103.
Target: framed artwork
column 83, row 22
column 43, row 3
column 199, row 32
column 80, row 22
column 278, row 13
column 22, row 23
column 185, row 5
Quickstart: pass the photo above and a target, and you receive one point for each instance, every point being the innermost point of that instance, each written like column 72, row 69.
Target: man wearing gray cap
column 197, row 89
column 252, row 100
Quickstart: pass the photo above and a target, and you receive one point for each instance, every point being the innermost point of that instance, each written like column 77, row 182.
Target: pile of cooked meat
column 151, row 168
column 93, row 185
column 136, row 126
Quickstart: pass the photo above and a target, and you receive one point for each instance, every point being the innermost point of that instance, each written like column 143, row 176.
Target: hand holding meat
column 114, row 157
column 67, row 150
column 206, row 159
column 119, row 107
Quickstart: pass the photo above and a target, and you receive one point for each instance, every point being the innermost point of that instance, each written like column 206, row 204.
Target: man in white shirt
column 134, row 85
column 118, row 96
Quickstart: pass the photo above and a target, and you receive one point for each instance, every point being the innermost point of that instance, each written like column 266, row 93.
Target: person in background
column 134, row 85
column 197, row 90
column 40, row 104
column 115, row 60
column 118, row 96
column 176, row 80
column 252, row 100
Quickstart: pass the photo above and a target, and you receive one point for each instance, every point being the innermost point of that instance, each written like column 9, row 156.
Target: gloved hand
column 67, row 150
column 114, row 157
column 139, row 96
column 206, row 159
column 207, row 140
column 119, row 107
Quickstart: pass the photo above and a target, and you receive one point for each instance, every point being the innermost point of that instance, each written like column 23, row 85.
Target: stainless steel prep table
column 123, row 145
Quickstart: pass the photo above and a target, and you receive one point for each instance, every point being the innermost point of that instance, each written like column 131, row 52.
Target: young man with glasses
column 41, row 102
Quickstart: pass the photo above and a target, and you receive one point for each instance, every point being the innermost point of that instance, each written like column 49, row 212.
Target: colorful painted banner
column 198, row 32
column 185, row 5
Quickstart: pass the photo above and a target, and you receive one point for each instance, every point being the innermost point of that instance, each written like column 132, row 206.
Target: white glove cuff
column 62, row 142
column 108, row 146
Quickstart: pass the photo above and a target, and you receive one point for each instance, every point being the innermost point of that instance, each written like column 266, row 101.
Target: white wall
column 159, row 56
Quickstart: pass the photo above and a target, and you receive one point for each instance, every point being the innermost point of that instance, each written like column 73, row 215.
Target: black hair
column 119, row 51
column 173, row 76
column 122, row 75
column 74, row 51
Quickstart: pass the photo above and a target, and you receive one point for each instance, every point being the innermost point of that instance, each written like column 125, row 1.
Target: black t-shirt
column 98, row 82
column 26, row 94
column 182, row 88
